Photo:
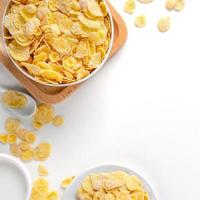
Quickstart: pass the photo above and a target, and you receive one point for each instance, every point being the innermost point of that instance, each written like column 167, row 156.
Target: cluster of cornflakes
column 21, row 141
column 40, row 191
column 116, row 185
column 45, row 114
column 14, row 99
column 164, row 23
column 58, row 41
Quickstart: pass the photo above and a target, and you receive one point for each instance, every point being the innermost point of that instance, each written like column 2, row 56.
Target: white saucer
column 71, row 191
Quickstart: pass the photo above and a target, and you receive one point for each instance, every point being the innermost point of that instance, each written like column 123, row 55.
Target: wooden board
column 52, row 95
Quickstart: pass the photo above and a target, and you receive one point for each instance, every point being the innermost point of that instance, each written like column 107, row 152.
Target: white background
column 142, row 109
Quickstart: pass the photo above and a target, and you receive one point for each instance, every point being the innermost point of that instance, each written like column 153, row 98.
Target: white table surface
column 142, row 109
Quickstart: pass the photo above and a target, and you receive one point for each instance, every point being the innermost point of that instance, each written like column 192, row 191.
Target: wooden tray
column 52, row 95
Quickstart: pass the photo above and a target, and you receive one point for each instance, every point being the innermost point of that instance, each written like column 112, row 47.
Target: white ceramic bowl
column 72, row 189
column 68, row 84
column 21, row 168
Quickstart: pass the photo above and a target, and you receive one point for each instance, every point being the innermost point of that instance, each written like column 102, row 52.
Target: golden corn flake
column 164, row 24
column 44, row 114
column 42, row 151
column 129, row 6
column 42, row 170
column 3, row 138
column 26, row 155
column 14, row 150
column 41, row 35
column 29, row 137
column 40, row 189
column 12, row 125
column 170, row 4
column 58, row 120
column 19, row 53
column 180, row 4
column 14, row 99
column 11, row 138
column 140, row 21
column 53, row 195
column 24, row 146
column 116, row 185
column 67, row 182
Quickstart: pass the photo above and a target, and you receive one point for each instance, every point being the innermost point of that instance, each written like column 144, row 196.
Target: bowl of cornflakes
column 110, row 182
column 58, row 42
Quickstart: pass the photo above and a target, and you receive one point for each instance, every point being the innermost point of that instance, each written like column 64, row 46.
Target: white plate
column 71, row 191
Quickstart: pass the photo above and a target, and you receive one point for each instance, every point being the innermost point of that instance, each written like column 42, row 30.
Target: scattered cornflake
column 170, row 4
column 44, row 115
column 58, row 120
column 67, row 182
column 42, row 170
column 26, row 155
column 53, row 195
column 129, row 6
column 164, row 24
column 11, row 138
column 140, row 21
column 30, row 137
column 180, row 4
column 115, row 185
column 12, row 125
column 42, row 151
column 14, row 99
column 3, row 138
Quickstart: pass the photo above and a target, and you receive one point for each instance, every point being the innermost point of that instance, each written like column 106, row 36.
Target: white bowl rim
column 109, row 168
column 66, row 84
column 22, row 168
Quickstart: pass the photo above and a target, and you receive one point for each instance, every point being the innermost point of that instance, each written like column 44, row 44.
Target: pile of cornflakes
column 40, row 191
column 116, row 185
column 14, row 99
column 45, row 114
column 164, row 23
column 21, row 141
column 58, row 41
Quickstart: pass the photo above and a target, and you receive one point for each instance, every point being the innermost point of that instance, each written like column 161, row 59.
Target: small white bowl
column 71, row 191
column 67, row 84
column 21, row 168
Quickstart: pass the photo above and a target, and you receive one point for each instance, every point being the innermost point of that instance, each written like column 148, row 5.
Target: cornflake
column 42, row 170
column 67, row 182
column 42, row 34
column 115, row 185
column 12, row 125
column 180, row 4
column 44, row 115
column 140, row 21
column 170, row 4
column 164, row 24
column 14, row 99
column 129, row 6
column 42, row 151
column 58, row 120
